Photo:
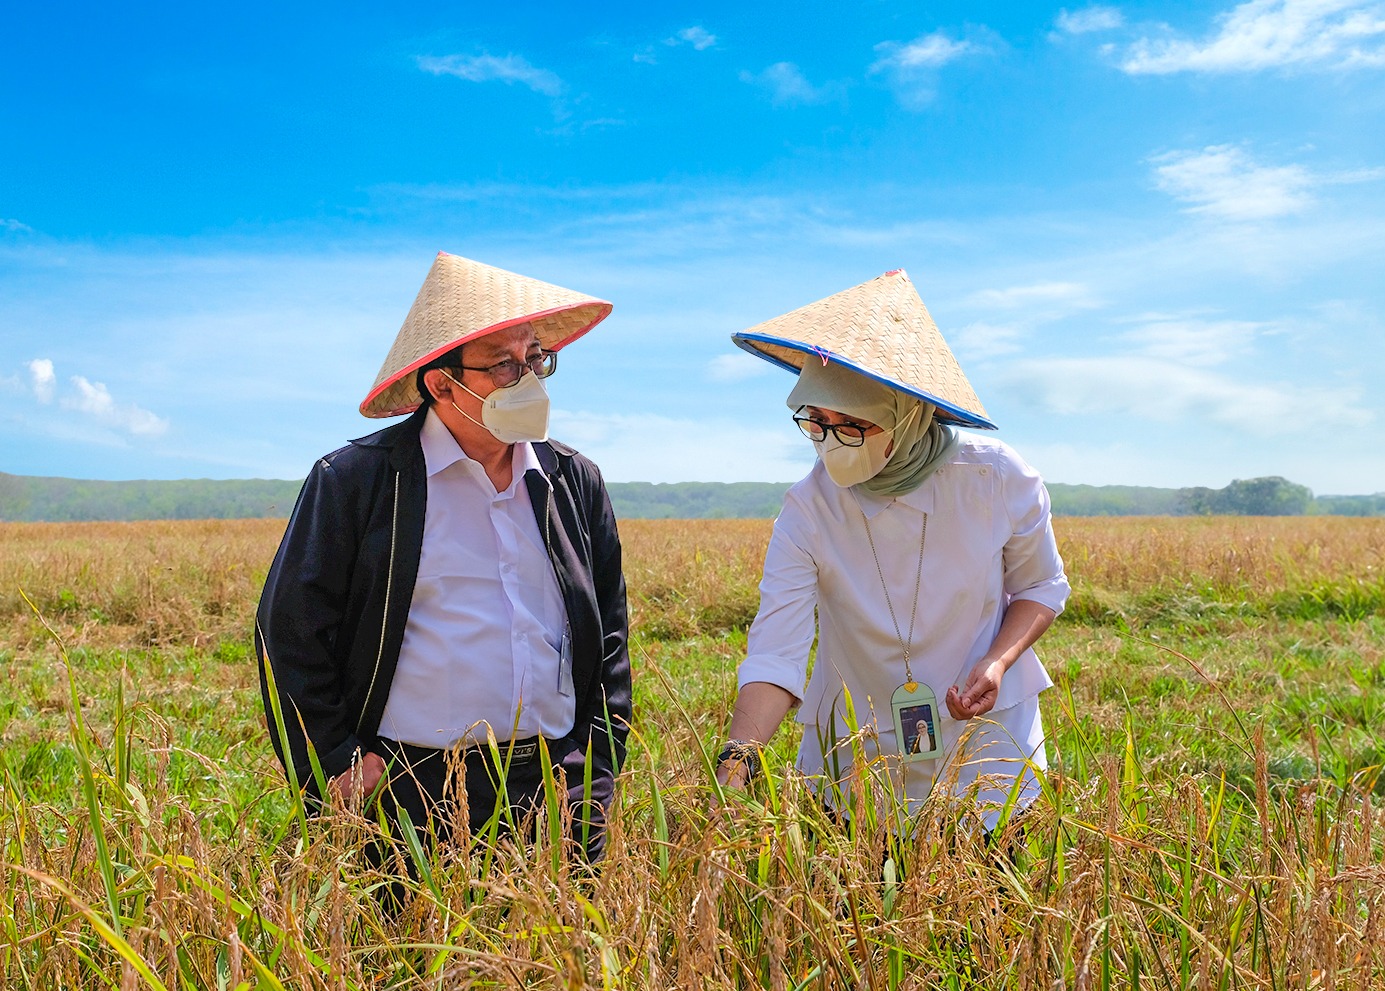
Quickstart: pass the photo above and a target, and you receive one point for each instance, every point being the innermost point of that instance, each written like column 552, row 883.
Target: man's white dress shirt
column 989, row 542
column 485, row 641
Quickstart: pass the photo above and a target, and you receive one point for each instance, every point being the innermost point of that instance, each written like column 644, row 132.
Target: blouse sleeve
column 782, row 635
column 1033, row 568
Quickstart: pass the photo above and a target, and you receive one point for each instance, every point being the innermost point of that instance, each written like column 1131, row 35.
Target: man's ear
column 438, row 384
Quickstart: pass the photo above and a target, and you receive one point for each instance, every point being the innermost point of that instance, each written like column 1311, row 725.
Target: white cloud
column 1070, row 294
column 42, row 379
column 787, row 85
column 656, row 250
column 14, row 226
column 697, row 36
column 737, row 366
column 1026, row 308
column 1195, row 342
column 486, row 68
column 1169, row 392
column 911, row 67
column 638, row 448
column 1089, row 19
column 600, row 123
column 95, row 400
column 1167, row 375
column 1267, row 34
column 1222, row 181
column 982, row 341
column 929, row 51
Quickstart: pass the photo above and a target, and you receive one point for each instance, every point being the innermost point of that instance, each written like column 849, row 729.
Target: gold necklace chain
column 918, row 582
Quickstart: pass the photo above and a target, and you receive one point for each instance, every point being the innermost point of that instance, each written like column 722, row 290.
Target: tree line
column 33, row 499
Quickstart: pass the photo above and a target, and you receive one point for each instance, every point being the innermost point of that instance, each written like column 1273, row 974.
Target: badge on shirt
column 565, row 688
column 916, row 725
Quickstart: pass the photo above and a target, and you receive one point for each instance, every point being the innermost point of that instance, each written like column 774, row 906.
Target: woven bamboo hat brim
column 462, row 300
column 882, row 330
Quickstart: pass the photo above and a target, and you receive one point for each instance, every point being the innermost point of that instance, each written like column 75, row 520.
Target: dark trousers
column 428, row 785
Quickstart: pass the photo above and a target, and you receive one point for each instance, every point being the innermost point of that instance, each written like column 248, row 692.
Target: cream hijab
column 921, row 445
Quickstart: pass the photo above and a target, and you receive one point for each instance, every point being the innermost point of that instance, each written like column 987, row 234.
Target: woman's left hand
column 1024, row 623
column 977, row 697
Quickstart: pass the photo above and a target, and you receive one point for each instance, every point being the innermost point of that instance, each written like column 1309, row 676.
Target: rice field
column 1211, row 816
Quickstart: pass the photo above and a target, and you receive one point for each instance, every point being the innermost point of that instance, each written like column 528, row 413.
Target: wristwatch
column 745, row 751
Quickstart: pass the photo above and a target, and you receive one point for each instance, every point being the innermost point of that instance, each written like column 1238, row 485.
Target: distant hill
column 697, row 500
column 26, row 498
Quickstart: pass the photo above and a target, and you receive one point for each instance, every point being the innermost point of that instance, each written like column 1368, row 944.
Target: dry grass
column 184, row 583
column 1191, row 835
column 1275, row 564
column 1121, row 875
column 693, row 576
column 196, row 583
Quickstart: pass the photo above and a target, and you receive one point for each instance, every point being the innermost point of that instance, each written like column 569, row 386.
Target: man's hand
column 977, row 697
column 358, row 782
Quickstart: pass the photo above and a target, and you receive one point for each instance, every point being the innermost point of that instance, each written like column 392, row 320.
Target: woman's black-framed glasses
column 847, row 434
column 506, row 373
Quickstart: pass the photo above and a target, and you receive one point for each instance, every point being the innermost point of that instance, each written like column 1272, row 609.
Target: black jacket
column 332, row 614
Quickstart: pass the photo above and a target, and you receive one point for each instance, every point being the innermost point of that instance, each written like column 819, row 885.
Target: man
column 456, row 577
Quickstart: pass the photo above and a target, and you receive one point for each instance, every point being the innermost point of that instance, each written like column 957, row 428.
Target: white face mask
column 514, row 414
column 849, row 466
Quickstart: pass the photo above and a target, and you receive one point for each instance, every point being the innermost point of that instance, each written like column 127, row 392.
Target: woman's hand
column 978, row 695
column 733, row 774
column 1024, row 623
column 760, row 708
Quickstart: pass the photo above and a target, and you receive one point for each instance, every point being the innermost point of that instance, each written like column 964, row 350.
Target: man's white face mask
column 514, row 414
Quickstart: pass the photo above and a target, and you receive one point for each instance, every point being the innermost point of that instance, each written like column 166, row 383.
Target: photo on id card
column 916, row 725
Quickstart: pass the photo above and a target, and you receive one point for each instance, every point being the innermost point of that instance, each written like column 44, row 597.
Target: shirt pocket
column 967, row 493
column 963, row 544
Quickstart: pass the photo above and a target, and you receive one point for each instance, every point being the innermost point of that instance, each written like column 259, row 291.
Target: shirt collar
column 868, row 502
column 525, row 460
column 920, row 499
column 441, row 450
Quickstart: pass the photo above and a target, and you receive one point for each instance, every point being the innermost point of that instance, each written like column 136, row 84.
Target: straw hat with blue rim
column 882, row 330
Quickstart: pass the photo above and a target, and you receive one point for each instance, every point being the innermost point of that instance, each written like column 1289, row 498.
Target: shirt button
column 508, row 568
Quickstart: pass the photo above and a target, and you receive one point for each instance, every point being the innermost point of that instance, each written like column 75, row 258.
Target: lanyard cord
column 918, row 581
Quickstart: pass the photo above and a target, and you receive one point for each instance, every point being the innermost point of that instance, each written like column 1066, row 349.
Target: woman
column 922, row 561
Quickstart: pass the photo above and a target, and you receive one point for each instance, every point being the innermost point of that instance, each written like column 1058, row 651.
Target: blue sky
column 1152, row 233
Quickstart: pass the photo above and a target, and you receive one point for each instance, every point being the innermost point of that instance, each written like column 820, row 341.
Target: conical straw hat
column 462, row 300
column 882, row 330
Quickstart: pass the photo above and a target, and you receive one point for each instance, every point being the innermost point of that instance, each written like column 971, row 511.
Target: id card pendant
column 565, row 687
column 915, row 709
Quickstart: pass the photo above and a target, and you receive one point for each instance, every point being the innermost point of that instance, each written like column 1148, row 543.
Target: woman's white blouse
column 989, row 542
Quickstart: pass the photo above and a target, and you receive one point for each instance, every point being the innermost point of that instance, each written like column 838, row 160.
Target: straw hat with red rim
column 882, row 330
column 462, row 300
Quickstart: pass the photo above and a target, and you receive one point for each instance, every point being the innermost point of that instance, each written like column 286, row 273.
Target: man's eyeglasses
column 508, row 372
column 847, row 434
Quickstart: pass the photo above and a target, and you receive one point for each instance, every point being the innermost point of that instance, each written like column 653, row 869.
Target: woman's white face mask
column 849, row 466
column 514, row 414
